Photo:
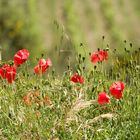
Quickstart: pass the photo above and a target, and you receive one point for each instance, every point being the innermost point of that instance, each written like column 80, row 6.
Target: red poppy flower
column 3, row 71
column 103, row 98
column 116, row 89
column 103, row 55
column 20, row 57
column 99, row 56
column 11, row 73
column 42, row 66
column 8, row 72
column 77, row 78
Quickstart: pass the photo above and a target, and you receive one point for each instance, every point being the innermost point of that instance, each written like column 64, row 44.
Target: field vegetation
column 70, row 70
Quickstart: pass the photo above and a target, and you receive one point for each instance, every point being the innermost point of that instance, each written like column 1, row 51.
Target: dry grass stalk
column 102, row 116
column 78, row 105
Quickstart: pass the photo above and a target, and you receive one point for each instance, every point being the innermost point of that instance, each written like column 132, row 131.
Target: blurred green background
column 59, row 28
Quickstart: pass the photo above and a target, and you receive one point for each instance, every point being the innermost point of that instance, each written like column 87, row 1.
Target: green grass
column 73, row 113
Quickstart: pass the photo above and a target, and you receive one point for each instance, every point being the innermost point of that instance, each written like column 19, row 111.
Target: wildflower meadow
column 96, row 99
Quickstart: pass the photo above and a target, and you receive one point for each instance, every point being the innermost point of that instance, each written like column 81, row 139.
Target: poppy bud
column 125, row 41
column 130, row 45
column 83, row 59
column 81, row 44
column 79, row 55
